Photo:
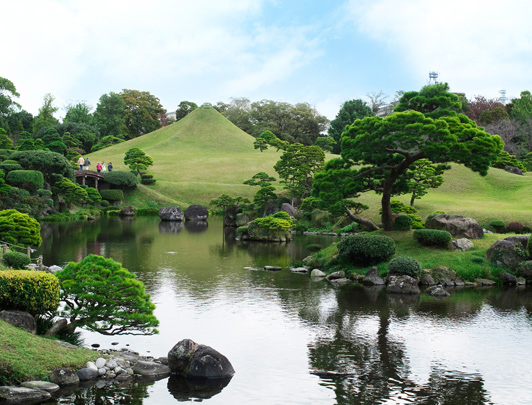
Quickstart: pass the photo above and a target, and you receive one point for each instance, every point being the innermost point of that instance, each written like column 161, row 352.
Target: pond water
column 277, row 328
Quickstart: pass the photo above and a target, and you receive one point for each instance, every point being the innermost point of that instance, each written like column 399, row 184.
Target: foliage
column 121, row 179
column 266, row 191
column 349, row 112
column 432, row 237
column 497, row 114
column 326, row 143
column 225, row 201
column 112, row 195
column 105, row 142
column 19, row 229
column 16, row 260
column 45, row 118
column 80, row 113
column 504, row 159
column 403, row 223
column 147, row 179
column 479, row 105
column 313, row 247
column 184, row 108
column 405, row 266
column 102, row 296
column 8, row 92
column 521, row 108
column 377, row 152
column 36, row 292
column 515, row 227
column 497, row 225
column 424, row 175
column 70, row 191
column 48, row 163
column 5, row 141
column 141, row 113
column 109, row 114
column 94, row 195
column 31, row 180
column 417, row 222
column 137, row 160
column 366, row 249
column 241, row 230
column 279, row 221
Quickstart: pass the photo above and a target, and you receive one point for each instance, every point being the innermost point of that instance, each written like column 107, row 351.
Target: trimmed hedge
column 28, row 179
column 147, row 179
column 497, row 225
column 432, row 237
column 36, row 292
column 366, row 249
column 16, row 260
column 405, row 265
column 403, row 223
column 112, row 195
column 121, row 179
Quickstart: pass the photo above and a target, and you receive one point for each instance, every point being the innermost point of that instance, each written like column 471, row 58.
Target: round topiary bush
column 515, row 227
column 432, row 237
column 497, row 225
column 16, row 260
column 366, row 249
column 405, row 265
column 403, row 223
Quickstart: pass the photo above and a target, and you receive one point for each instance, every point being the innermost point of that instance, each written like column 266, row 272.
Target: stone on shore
column 22, row 395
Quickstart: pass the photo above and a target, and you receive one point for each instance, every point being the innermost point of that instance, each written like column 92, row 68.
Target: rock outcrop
column 173, row 213
column 196, row 213
column 20, row 319
column 457, row 225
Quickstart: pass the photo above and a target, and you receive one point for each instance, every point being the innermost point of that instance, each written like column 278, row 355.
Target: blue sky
column 320, row 52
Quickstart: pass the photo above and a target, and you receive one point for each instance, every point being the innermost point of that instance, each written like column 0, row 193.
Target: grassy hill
column 204, row 155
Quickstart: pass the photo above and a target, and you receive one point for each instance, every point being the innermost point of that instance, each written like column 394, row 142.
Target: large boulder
column 289, row 210
column 506, row 253
column 127, row 211
column 151, row 369
column 22, row 395
column 20, row 319
column 242, row 219
column 173, row 213
column 462, row 244
column 196, row 213
column 402, row 284
column 457, row 225
column 514, row 170
column 190, row 359
column 372, row 277
column 63, row 376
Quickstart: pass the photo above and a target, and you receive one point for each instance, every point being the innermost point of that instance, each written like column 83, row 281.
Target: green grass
column 25, row 357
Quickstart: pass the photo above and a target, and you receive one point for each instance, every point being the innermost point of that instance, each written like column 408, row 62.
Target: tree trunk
column 370, row 226
column 387, row 215
column 412, row 199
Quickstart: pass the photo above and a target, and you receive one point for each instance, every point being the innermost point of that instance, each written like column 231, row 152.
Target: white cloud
column 478, row 47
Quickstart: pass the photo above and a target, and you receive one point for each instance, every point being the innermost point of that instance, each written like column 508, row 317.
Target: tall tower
column 503, row 99
column 433, row 77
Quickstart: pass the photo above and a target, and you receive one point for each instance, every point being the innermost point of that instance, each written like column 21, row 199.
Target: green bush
column 313, row 247
column 497, row 225
column 366, row 249
column 242, row 230
column 348, row 228
column 275, row 222
column 524, row 268
column 94, row 195
column 147, row 179
column 44, row 193
column 104, row 203
column 112, row 195
column 145, row 212
column 121, row 179
column 36, row 292
column 19, row 229
column 529, row 247
column 403, row 223
column 8, row 165
column 16, row 260
column 417, row 222
column 405, row 265
column 28, row 179
column 432, row 237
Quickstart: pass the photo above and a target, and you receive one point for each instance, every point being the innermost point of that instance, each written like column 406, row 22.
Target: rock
column 86, row 374
column 317, row 273
column 95, row 345
column 111, row 363
column 54, row 268
column 196, row 213
column 521, row 281
column 20, row 319
column 427, row 279
column 127, row 211
column 173, row 213
column 100, row 362
column 230, row 214
column 151, row 369
column 462, row 244
column 459, row 283
column 484, row 282
column 335, row 275
column 508, row 279
column 192, row 360
column 289, row 210
column 299, row 269
column 522, row 239
column 21, row 395
column 339, row 282
column 457, row 225
column 514, row 170
column 372, row 277
column 102, row 371
column 91, row 365
column 63, row 376
column 506, row 253
column 242, row 219
column 402, row 284
column 41, row 385
column 441, row 273
column 438, row 291
column 57, row 326
column 273, row 268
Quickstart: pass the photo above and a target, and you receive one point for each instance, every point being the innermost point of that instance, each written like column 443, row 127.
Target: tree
column 70, row 191
column 237, row 112
column 260, row 143
column 45, row 118
column 137, row 160
column 424, row 175
column 480, row 104
column 326, row 143
column 492, row 116
column 266, row 191
column 297, row 166
column 184, row 108
column 377, row 152
column 5, row 141
column 19, row 229
column 49, row 163
column 80, row 113
column 8, row 92
column 376, row 101
column 104, row 297
column 109, row 115
column 349, row 112
column 141, row 113
column 521, row 108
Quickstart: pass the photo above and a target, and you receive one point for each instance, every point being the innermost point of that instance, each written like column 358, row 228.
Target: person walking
column 110, row 167
column 81, row 162
column 87, row 164
column 98, row 167
column 103, row 168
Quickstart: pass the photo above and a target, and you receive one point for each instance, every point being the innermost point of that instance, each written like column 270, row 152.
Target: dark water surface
column 277, row 328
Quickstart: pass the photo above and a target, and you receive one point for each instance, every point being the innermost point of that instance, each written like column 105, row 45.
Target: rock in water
column 173, row 213
column 196, row 213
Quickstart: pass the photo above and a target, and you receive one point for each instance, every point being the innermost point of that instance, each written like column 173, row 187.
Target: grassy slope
column 204, row 155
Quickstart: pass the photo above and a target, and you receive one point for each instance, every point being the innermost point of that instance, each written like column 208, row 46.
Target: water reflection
column 170, row 226
column 196, row 226
column 186, row 389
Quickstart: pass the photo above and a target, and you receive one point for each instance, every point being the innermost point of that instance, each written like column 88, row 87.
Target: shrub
column 147, row 179
column 432, row 237
column 36, row 292
column 19, row 229
column 300, row 228
column 417, row 222
column 16, row 260
column 242, row 230
column 348, row 228
column 497, row 225
column 8, row 165
column 29, row 179
column 121, row 179
column 147, row 212
column 94, row 195
column 403, row 223
column 112, row 195
column 366, row 249
column 313, row 247
column 405, row 265
column 44, row 193
column 104, row 203
column 274, row 222
column 515, row 227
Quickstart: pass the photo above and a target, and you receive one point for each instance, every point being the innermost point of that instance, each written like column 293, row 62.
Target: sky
column 319, row 52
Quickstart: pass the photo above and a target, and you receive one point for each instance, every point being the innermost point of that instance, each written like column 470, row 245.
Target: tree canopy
column 184, row 108
column 137, row 160
column 141, row 113
column 19, row 229
column 350, row 111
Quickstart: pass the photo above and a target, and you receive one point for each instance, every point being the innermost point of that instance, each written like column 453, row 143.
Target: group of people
column 100, row 167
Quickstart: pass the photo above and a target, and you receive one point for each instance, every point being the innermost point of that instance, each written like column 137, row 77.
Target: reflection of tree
column 125, row 393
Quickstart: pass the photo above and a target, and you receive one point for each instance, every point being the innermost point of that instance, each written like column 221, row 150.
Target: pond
column 279, row 328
